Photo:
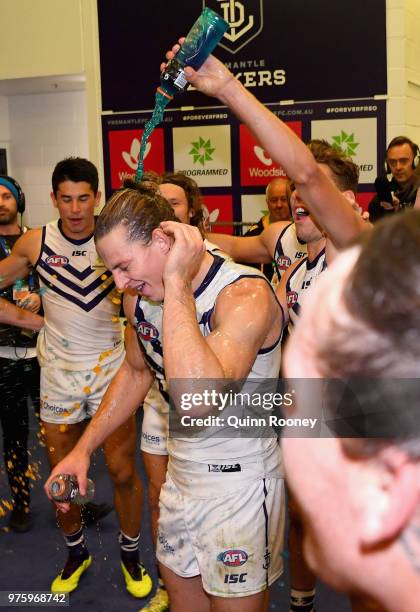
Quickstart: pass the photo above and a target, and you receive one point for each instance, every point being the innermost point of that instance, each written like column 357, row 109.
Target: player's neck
column 10, row 229
column 205, row 266
column 315, row 247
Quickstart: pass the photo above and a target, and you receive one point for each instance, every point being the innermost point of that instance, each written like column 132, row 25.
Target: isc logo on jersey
column 57, row 261
column 292, row 298
column 233, row 558
column 283, row 262
column 147, row 331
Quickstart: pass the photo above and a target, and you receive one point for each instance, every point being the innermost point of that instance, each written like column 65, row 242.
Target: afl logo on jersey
column 283, row 262
column 57, row 261
column 147, row 331
column 292, row 298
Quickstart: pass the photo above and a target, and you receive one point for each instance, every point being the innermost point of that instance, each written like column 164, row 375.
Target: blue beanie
column 6, row 182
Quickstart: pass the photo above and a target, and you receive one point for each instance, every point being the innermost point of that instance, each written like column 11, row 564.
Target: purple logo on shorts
column 233, row 557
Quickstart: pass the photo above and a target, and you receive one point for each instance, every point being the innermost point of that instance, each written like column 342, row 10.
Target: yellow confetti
column 63, row 428
column 115, row 319
column 2, row 512
column 52, row 449
column 116, row 300
column 10, row 465
column 104, row 277
column 103, row 286
column 97, row 369
column 8, row 504
column 87, row 390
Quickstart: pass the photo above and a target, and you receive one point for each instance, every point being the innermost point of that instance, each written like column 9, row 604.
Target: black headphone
column 398, row 141
column 16, row 190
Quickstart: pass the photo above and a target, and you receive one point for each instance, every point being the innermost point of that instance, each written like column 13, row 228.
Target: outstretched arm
column 13, row 315
column 323, row 198
column 122, row 398
column 251, row 249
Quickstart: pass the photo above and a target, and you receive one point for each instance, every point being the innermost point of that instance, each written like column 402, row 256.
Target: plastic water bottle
column 65, row 488
column 201, row 40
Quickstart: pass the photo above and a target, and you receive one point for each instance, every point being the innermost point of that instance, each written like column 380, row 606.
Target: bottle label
column 180, row 80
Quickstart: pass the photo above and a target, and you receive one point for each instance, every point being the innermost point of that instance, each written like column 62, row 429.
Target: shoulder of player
column 29, row 242
column 251, row 295
column 272, row 233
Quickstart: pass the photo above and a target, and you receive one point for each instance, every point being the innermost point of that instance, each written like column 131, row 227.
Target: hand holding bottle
column 211, row 79
column 75, row 463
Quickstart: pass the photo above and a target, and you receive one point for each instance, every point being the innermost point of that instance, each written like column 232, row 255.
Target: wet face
column 134, row 265
column 76, row 205
column 306, row 229
column 277, row 203
column 177, row 198
column 400, row 160
column 8, row 207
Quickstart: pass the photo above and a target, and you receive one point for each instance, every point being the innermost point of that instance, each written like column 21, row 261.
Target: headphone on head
column 14, row 187
column 398, row 141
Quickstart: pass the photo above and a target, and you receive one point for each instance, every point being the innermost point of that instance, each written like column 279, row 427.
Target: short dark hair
column 136, row 206
column 77, row 170
column 343, row 168
column 402, row 140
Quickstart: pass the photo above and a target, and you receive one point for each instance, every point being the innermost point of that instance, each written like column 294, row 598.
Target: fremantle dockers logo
column 245, row 20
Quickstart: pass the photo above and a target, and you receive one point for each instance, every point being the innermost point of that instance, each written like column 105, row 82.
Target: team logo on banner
column 203, row 153
column 357, row 138
column 124, row 149
column 257, row 167
column 245, row 20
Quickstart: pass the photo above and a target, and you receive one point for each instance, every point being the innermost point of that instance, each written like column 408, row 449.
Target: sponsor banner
column 219, row 208
column 356, row 138
column 228, row 164
column 315, row 60
column 253, row 208
column 204, row 154
column 364, row 198
column 124, row 148
column 257, row 168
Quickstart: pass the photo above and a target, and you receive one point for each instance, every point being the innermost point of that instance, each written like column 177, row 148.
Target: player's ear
column 390, row 496
column 162, row 240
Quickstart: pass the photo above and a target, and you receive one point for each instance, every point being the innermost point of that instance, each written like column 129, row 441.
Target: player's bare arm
column 24, row 254
column 116, row 407
column 246, row 249
column 247, row 318
column 323, row 198
column 13, row 315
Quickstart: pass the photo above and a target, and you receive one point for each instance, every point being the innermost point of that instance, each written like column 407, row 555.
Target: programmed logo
column 202, row 151
column 245, row 19
column 57, row 261
column 233, row 557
